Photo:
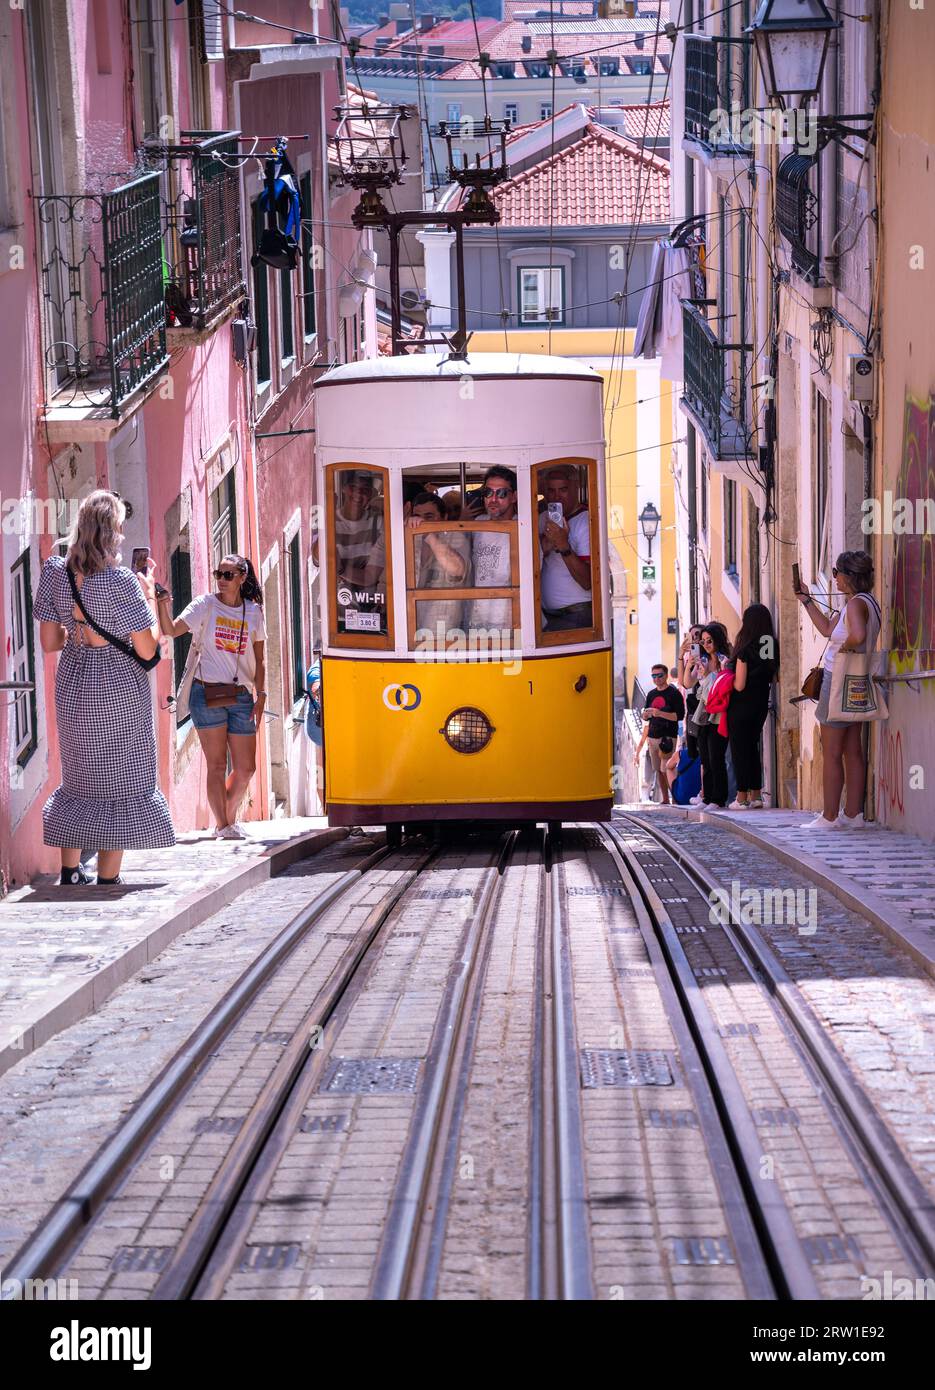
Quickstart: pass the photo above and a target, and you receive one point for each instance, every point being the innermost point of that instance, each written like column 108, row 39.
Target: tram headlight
column 467, row 730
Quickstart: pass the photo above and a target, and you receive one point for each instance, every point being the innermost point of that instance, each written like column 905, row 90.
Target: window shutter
column 214, row 30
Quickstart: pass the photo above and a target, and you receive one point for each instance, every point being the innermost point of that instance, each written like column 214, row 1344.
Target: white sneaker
column 232, row 832
column 756, row 805
column 820, row 823
column 847, row 822
column 739, row 806
column 696, row 800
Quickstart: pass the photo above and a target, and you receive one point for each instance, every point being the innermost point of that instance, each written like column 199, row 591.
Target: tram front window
column 360, row 552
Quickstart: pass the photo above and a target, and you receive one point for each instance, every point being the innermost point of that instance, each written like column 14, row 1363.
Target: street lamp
column 649, row 524
column 792, row 38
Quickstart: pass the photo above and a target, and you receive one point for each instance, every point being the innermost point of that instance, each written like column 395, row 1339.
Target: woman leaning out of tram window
column 226, row 675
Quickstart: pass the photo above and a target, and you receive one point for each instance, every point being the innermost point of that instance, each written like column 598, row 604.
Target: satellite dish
column 410, row 299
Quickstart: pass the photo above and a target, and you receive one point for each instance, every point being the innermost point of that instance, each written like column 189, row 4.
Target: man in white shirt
column 490, row 552
column 565, row 578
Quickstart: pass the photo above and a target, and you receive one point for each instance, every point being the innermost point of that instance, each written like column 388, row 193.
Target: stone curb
column 156, row 933
column 861, row 900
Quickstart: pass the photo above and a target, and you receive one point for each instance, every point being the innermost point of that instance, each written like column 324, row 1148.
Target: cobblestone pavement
column 60, row 1103
column 876, row 1003
column 62, row 950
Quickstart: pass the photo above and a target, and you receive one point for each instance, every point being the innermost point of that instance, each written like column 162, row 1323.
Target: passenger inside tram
column 360, row 552
column 442, row 560
column 491, row 552
column 565, row 541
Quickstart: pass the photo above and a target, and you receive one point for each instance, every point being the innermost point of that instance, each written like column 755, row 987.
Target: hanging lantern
column 792, row 38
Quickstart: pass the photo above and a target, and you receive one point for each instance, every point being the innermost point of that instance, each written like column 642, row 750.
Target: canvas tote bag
column 855, row 696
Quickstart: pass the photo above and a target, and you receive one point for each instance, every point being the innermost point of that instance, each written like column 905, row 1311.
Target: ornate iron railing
column 798, row 212
column 201, row 212
column 718, row 406
column 104, row 331
column 717, row 86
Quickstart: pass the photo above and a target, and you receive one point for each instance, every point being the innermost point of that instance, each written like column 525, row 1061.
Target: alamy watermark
column 749, row 126
column 783, row 907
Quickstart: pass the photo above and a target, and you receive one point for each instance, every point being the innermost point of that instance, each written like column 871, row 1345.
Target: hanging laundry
column 282, row 206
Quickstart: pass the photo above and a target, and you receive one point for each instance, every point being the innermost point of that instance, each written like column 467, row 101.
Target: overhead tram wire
column 504, row 313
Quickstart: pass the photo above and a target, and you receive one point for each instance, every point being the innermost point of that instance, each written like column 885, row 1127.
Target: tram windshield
column 359, row 507
column 468, row 552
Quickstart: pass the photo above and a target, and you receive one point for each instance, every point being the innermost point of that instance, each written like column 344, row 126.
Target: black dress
column 746, row 715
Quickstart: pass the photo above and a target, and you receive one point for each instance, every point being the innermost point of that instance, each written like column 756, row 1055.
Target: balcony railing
column 797, row 212
column 717, row 85
column 201, row 216
column 711, row 393
column 104, row 330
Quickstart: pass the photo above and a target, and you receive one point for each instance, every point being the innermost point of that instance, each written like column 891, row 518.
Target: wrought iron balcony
column 715, row 397
column 717, row 85
column 798, row 207
column 104, row 329
column 201, row 221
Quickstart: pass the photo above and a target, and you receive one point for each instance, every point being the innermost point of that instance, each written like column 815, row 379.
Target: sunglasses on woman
column 227, row 574
column 500, row 492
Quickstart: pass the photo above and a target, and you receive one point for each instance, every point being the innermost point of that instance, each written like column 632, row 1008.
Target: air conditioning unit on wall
column 860, row 377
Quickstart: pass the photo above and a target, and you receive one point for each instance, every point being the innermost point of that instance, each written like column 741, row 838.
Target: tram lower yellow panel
column 551, row 743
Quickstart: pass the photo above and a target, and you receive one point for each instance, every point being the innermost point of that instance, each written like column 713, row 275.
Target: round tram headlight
column 467, row 730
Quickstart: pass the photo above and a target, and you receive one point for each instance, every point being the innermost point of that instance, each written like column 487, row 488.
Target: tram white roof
column 426, row 367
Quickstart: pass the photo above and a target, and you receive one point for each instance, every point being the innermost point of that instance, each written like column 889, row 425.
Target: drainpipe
column 691, row 443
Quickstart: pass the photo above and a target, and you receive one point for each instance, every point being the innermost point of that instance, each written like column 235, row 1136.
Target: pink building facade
column 148, row 355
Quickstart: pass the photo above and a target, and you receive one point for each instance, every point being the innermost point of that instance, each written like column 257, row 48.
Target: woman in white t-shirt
column 226, row 676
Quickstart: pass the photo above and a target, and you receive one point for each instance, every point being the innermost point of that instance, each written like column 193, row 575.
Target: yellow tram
column 466, row 663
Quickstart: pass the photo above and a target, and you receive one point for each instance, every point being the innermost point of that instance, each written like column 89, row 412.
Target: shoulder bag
column 855, row 697
column 147, row 662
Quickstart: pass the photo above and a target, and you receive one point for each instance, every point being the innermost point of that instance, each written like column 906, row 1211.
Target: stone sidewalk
column 885, row 875
column 63, row 951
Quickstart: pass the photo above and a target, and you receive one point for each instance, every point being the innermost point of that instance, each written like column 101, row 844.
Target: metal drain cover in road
column 606, row 1067
column 702, row 1250
column 362, row 1076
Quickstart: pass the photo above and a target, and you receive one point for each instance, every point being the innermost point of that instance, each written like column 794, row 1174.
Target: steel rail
column 572, row 1230
column 398, row 1256
column 44, row 1251
column 881, row 1152
column 208, row 1252
column 769, row 1252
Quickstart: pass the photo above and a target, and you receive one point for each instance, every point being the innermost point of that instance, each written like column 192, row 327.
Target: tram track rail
column 68, row 1223
column 897, row 1190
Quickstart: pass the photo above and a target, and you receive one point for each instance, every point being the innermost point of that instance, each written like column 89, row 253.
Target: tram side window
column 359, row 541
column 567, row 541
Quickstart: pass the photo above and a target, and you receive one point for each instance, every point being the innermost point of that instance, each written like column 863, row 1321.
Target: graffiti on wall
column 914, row 555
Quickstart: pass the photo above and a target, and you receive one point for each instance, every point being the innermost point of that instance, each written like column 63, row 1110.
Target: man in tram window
column 442, row 561
column 360, row 554
column 565, row 539
column 490, row 552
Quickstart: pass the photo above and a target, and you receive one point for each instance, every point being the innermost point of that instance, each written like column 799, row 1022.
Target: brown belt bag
column 218, row 694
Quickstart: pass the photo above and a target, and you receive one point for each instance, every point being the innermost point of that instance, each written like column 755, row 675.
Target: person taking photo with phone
column 224, row 683
column 565, row 538
column 99, row 615
column 854, row 629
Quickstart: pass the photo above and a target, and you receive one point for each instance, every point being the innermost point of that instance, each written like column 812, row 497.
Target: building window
column 609, row 67
column 545, row 111
column 287, row 340
column 309, row 320
column 22, row 662
column 261, row 303
column 180, row 567
column 511, row 112
column 731, row 502
column 542, row 294
column 640, row 67
column 821, row 486
column 295, row 618
column 150, row 28
column 454, row 113
column 224, row 518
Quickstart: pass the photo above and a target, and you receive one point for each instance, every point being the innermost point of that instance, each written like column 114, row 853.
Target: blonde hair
column 95, row 536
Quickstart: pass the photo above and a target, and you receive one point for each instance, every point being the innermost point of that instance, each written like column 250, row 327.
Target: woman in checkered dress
column 108, row 800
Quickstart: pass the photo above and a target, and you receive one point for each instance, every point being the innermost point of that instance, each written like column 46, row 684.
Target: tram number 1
column 530, row 687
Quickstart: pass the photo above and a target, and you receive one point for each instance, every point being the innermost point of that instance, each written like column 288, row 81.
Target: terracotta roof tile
column 601, row 180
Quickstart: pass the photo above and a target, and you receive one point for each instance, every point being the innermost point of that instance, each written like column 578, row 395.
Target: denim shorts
column 237, row 718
